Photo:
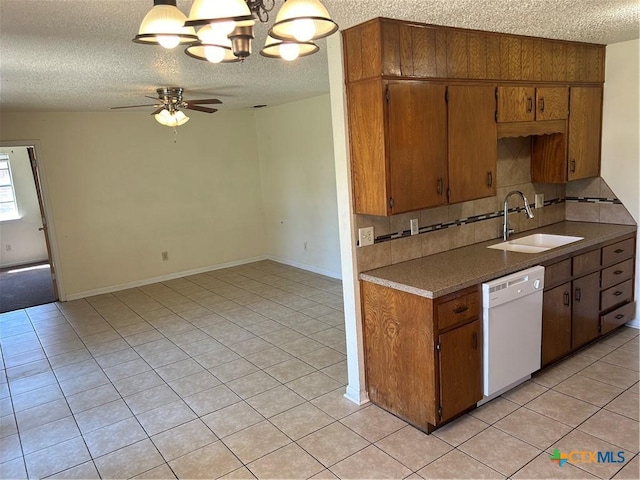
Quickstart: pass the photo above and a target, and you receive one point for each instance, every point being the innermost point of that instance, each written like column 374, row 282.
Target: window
column 8, row 206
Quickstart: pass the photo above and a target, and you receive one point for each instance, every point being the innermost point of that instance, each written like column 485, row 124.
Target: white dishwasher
column 512, row 330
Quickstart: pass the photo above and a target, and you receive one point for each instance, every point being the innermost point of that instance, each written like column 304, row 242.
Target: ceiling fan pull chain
column 175, row 134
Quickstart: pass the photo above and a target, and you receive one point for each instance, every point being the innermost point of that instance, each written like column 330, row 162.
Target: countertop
column 453, row 270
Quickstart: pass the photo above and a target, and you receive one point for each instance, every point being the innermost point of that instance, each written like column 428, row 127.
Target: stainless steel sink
column 539, row 242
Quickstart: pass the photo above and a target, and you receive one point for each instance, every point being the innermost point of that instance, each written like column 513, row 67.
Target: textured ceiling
column 77, row 55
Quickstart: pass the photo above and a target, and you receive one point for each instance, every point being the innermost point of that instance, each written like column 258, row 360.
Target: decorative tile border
column 613, row 201
column 463, row 221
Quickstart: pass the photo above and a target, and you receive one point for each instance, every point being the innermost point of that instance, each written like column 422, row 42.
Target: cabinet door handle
column 475, row 341
column 619, row 250
column 578, row 294
column 541, row 104
column 490, row 178
column 440, row 186
column 567, row 298
column 460, row 309
column 573, row 166
column 618, row 272
column 617, row 293
column 529, row 104
column 619, row 316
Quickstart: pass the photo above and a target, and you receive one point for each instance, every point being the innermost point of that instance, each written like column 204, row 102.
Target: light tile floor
column 240, row 373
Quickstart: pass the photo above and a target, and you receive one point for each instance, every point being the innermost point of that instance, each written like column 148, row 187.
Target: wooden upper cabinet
column 526, row 104
column 398, row 141
column 584, row 132
column 386, row 47
column 472, row 142
column 417, row 145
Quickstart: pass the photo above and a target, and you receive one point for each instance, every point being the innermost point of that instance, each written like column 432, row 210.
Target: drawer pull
column 619, row 316
column 529, row 104
column 567, row 298
column 489, row 179
column 578, row 294
column 617, row 293
column 619, row 250
column 618, row 272
column 475, row 341
column 460, row 309
column 440, row 186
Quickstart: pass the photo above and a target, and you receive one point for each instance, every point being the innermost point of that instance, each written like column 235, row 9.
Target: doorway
column 27, row 270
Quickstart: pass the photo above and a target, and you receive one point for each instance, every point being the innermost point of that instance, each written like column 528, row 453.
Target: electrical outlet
column 165, row 256
column 305, row 246
column 539, row 200
column 365, row 236
column 414, row 226
column 7, row 247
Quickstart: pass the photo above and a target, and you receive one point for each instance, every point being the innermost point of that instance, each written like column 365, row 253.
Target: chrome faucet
column 506, row 229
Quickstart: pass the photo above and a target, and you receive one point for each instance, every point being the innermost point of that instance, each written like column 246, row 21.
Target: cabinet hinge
column 391, row 203
column 440, row 411
column 438, row 347
column 387, row 95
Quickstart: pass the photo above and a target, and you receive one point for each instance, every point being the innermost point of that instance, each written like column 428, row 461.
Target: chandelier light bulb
column 303, row 29
column 168, row 41
column 289, row 51
column 223, row 28
column 214, row 54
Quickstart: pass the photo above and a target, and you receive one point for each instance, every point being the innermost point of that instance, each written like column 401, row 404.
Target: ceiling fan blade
column 155, row 112
column 202, row 109
column 206, row 101
column 136, row 106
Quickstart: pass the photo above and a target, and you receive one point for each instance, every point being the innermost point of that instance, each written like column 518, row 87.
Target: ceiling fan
column 170, row 104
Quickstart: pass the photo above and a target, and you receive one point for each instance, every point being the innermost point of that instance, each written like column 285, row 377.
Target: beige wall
column 121, row 192
column 299, row 185
column 620, row 126
column 20, row 240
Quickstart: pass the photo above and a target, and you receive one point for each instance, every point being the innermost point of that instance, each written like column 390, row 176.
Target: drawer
column 615, row 295
column 557, row 273
column 619, row 316
column 617, row 273
column 586, row 263
column 617, row 252
column 466, row 307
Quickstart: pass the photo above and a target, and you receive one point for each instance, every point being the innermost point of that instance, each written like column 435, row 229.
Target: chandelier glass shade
column 227, row 28
column 164, row 25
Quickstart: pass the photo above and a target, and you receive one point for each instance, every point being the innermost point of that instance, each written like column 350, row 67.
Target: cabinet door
column 586, row 303
column 585, row 120
column 556, row 323
column 460, row 369
column 552, row 103
column 516, row 104
column 473, row 142
column 417, row 121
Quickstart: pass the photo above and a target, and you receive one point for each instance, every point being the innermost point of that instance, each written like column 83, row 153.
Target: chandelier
column 226, row 28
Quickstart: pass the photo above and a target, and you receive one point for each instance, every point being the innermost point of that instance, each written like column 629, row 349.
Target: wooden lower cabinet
column 460, row 360
column 586, row 310
column 556, row 323
column 586, row 296
column 422, row 374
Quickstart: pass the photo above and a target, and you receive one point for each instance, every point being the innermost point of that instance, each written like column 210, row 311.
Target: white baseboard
column 356, row 396
column 23, row 262
column 162, row 278
column 635, row 323
column 210, row 268
column 304, row 266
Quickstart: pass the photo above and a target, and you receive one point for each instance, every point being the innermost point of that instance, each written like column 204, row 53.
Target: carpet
column 25, row 286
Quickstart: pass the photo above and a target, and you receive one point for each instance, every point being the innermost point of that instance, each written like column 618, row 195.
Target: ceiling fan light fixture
column 164, row 25
column 222, row 15
column 302, row 21
column 173, row 118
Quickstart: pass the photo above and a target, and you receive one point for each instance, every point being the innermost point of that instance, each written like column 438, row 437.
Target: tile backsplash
column 453, row 226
